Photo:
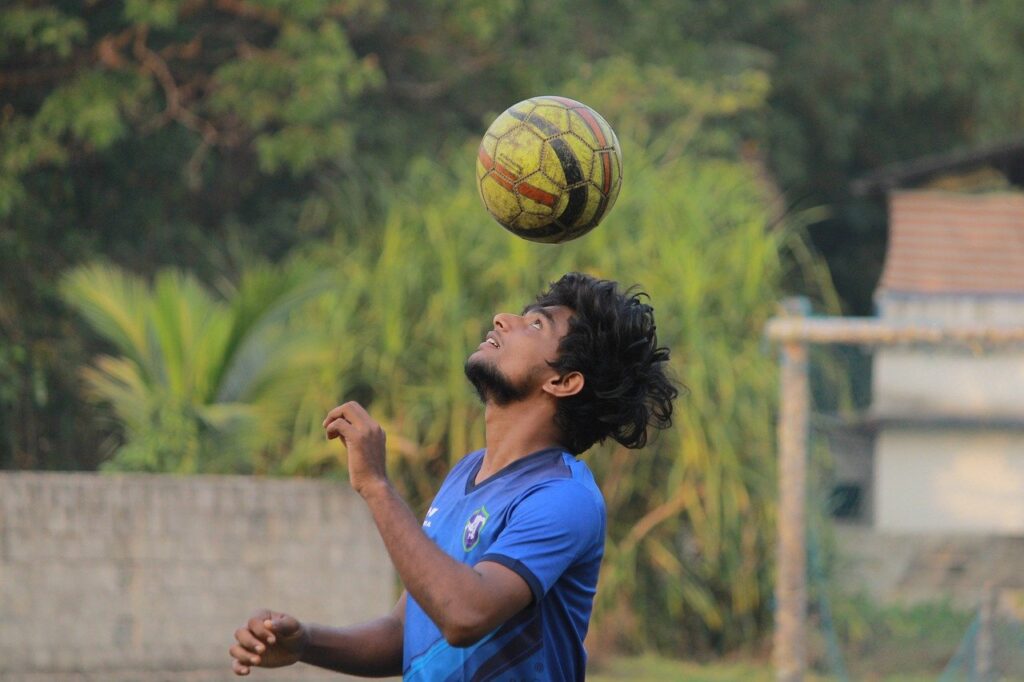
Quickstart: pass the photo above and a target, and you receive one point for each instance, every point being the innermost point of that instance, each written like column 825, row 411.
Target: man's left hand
column 364, row 438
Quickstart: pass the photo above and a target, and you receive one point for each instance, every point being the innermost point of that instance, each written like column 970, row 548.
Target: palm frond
column 114, row 303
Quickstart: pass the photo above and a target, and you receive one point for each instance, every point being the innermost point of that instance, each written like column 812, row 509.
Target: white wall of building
column 965, row 471
column 948, row 480
column 936, row 383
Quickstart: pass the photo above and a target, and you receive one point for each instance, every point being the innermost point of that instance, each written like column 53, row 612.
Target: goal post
column 794, row 332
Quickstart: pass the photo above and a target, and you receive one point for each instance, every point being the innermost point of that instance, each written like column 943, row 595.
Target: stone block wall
column 124, row 577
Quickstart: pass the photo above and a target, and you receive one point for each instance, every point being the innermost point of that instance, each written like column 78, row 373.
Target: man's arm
column 372, row 649
column 273, row 640
column 465, row 602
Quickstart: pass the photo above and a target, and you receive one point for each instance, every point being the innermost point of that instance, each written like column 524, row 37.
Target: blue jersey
column 542, row 517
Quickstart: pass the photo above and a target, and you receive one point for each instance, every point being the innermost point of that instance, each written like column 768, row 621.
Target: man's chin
column 490, row 384
column 477, row 359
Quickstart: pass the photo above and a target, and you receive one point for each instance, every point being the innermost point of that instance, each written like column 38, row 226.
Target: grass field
column 656, row 669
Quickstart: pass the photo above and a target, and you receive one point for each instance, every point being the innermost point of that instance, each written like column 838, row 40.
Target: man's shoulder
column 579, row 480
column 577, row 492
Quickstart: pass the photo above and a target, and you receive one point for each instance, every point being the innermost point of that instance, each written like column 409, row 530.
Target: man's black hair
column 612, row 342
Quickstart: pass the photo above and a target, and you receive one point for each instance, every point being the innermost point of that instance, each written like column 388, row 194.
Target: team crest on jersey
column 475, row 526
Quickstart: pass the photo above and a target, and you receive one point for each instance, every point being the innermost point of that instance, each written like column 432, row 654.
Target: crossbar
column 878, row 332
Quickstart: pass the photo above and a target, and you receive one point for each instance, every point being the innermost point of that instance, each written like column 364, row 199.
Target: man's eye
column 536, row 323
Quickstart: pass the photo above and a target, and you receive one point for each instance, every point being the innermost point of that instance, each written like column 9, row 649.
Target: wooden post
column 789, row 650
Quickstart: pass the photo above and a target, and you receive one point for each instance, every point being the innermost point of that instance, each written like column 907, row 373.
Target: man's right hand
column 268, row 640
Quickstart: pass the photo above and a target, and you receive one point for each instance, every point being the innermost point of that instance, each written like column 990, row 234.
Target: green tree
column 153, row 132
column 193, row 134
column 199, row 382
column 858, row 85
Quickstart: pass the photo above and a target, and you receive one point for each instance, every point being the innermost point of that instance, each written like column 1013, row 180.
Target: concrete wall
column 961, row 481
column 939, row 382
column 933, row 383
column 118, row 577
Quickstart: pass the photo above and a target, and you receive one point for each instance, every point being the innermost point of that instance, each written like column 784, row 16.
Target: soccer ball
column 549, row 169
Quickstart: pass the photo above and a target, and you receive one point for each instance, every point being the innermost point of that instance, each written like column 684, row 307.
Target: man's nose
column 504, row 321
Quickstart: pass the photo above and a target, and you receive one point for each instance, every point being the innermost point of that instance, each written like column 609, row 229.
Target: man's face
column 512, row 362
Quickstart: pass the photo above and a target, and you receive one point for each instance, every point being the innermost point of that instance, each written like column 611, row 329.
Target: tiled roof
column 946, row 243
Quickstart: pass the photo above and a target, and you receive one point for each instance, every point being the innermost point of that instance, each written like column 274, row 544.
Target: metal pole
column 984, row 647
column 788, row 651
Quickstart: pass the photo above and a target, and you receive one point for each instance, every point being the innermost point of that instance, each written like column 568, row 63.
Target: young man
column 501, row 574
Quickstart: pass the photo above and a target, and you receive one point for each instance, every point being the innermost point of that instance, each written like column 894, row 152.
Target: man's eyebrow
column 538, row 309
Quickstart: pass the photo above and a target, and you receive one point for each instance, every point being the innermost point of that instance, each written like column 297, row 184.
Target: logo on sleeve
column 475, row 526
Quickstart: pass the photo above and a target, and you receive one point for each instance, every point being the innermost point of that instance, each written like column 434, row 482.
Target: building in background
column 935, row 473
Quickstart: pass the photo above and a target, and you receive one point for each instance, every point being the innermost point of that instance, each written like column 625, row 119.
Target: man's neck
column 515, row 431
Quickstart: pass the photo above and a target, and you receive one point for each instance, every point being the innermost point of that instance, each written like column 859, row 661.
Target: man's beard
column 493, row 386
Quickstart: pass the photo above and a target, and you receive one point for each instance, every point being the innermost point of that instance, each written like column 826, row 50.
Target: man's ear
column 565, row 385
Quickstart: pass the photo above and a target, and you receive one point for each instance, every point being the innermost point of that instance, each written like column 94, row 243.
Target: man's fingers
column 249, row 641
column 332, row 415
column 337, row 428
column 243, row 656
column 239, row 669
column 352, row 412
column 257, row 626
column 341, row 411
column 355, row 412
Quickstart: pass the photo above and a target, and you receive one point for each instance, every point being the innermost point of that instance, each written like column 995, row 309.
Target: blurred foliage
column 879, row 641
column 200, row 384
column 858, row 85
column 653, row 668
column 200, row 134
column 198, row 139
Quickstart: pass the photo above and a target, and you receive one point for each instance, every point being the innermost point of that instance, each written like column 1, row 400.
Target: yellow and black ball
column 549, row 169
